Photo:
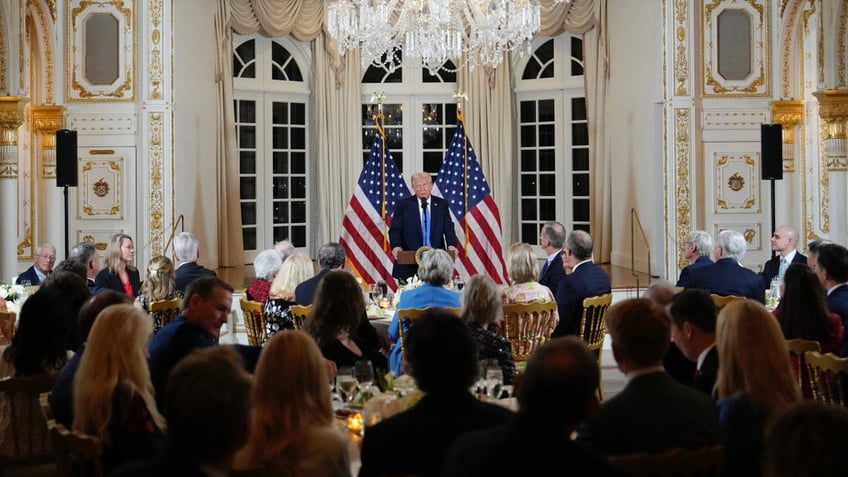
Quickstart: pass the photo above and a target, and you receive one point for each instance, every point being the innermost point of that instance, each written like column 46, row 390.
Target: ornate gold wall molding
column 789, row 38
column 833, row 110
column 155, row 66
column 46, row 120
column 11, row 118
column 682, row 162
column 156, row 122
column 840, row 45
column 681, row 48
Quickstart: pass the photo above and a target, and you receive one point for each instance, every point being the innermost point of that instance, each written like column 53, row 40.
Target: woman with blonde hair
column 522, row 266
column 293, row 427
column 120, row 273
column 296, row 269
column 159, row 285
column 113, row 394
column 755, row 381
column 482, row 311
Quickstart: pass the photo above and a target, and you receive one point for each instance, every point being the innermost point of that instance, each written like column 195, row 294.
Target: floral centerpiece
column 12, row 296
column 414, row 282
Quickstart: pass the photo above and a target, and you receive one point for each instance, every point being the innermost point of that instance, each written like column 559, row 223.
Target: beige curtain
column 490, row 123
column 230, row 246
column 338, row 137
column 303, row 19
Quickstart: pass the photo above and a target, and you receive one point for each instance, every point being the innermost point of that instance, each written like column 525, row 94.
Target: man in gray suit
column 653, row 412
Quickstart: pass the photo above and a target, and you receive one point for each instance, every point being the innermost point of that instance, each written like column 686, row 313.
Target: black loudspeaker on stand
column 771, row 142
column 66, row 170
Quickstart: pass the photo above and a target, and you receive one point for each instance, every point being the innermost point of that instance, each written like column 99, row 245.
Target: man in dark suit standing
column 551, row 239
column 653, row 412
column 693, row 322
column 697, row 250
column 45, row 258
column 832, row 269
column 186, row 253
column 331, row 256
column 727, row 276
column 784, row 241
column 420, row 220
column 585, row 280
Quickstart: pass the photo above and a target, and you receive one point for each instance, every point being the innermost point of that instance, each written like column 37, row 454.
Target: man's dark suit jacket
column 415, row 441
column 727, row 277
column 553, row 274
column 170, row 463
column 305, row 292
column 93, row 287
column 684, row 274
column 772, row 266
column 109, row 279
column 188, row 272
column 29, row 275
column 586, row 281
column 653, row 413
column 406, row 232
column 492, row 452
column 705, row 378
column 837, row 302
column 174, row 342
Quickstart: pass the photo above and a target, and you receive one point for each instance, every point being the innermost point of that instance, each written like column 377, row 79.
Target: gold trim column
column 11, row 118
column 788, row 114
column 46, row 120
column 833, row 110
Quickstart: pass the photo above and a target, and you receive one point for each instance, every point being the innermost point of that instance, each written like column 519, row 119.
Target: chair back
column 722, row 300
column 797, row 348
column 164, row 311
column 407, row 316
column 593, row 330
column 26, row 440
column 7, row 326
column 46, row 410
column 299, row 314
column 828, row 377
column 703, row 462
column 76, row 454
column 254, row 321
column 527, row 326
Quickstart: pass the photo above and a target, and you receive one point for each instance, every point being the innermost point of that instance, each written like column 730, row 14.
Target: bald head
column 784, row 240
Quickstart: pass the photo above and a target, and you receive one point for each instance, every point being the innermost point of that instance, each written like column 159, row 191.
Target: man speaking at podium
column 420, row 220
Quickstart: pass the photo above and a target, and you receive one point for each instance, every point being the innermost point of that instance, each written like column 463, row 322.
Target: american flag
column 369, row 215
column 478, row 232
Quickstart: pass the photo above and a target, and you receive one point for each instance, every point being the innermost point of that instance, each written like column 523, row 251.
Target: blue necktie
column 783, row 266
column 425, row 229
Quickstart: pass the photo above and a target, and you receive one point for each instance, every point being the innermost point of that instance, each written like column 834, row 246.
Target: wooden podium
column 410, row 257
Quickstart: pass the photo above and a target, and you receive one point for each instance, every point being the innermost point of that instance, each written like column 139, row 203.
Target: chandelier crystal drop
column 466, row 32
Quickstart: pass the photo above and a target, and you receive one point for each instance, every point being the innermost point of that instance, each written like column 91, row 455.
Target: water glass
column 346, row 384
column 364, row 375
column 494, row 382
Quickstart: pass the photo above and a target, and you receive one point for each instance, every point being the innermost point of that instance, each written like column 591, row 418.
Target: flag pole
column 378, row 120
column 459, row 97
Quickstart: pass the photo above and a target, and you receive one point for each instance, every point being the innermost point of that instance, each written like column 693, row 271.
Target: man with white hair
column 285, row 248
column 696, row 250
column 186, row 253
column 44, row 259
column 727, row 276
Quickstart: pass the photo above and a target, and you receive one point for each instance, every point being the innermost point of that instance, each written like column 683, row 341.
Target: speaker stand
column 67, row 233
column 773, row 215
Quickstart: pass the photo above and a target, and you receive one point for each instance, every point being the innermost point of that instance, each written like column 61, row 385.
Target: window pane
column 281, row 212
column 280, row 113
column 298, row 185
column 547, row 209
column 298, row 163
column 546, row 135
column 528, row 209
column 547, row 185
column 281, row 162
column 546, row 110
column 528, row 160
column 581, row 210
column 248, row 213
column 531, row 71
column 247, row 137
column 298, row 138
column 281, row 233
column 247, row 162
column 298, row 210
column 432, row 138
column 248, row 188
column 528, row 111
column 547, row 160
column 248, row 237
column 529, row 233
column 298, row 236
column 580, row 134
column 281, row 188
column 280, row 138
column 247, row 111
column 528, row 184
column 578, row 109
column 528, row 136
column 580, row 185
column 545, row 52
column 433, row 161
column 580, row 161
column 298, row 113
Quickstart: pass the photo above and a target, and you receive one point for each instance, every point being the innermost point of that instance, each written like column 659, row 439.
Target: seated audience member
column 755, row 382
column 551, row 240
column 206, row 307
column 585, row 280
column 186, row 253
column 435, row 272
column 160, row 284
column 119, row 273
column 71, row 266
column 693, row 322
column 285, row 248
column 293, row 427
column 482, row 311
column 521, row 266
column 784, row 241
column 85, row 254
column 209, row 400
column 45, row 257
column 696, row 250
column 265, row 266
column 555, row 394
column 813, row 253
column 653, row 412
column 802, row 311
column 443, row 361
column 727, row 276
column 331, row 256
column 676, row 364
column 295, row 270
column 832, row 270
column 807, row 440
column 61, row 396
column 336, row 317
column 73, row 287
column 113, row 395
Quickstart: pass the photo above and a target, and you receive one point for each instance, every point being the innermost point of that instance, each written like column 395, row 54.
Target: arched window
column 271, row 115
column 553, row 137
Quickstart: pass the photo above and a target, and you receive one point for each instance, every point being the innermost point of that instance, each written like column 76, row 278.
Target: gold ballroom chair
column 26, row 443
column 828, row 376
column 702, row 462
column 797, row 348
column 407, row 316
column 527, row 326
column 593, row 329
column 164, row 311
column 7, row 326
column 721, row 300
column 299, row 314
column 254, row 321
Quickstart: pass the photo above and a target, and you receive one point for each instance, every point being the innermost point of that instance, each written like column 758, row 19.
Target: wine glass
column 494, row 382
column 372, row 293
column 364, row 375
column 346, row 384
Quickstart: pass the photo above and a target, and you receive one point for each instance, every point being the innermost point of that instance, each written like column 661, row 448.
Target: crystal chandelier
column 466, row 32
